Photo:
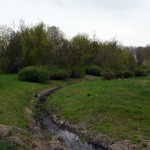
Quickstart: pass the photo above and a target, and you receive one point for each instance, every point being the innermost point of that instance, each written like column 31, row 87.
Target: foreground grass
column 15, row 97
column 118, row 108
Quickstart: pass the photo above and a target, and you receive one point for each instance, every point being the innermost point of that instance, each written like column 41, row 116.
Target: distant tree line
column 43, row 45
column 141, row 54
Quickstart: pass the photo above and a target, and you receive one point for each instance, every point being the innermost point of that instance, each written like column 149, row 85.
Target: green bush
column 128, row 74
column 119, row 74
column 108, row 75
column 33, row 74
column 77, row 73
column 57, row 73
column 148, row 71
column 93, row 70
column 140, row 73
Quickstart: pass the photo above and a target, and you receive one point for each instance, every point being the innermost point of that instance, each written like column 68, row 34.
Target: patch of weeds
column 144, row 145
column 39, row 109
column 47, row 136
column 12, row 146
column 60, row 139
column 89, row 94
column 1, row 112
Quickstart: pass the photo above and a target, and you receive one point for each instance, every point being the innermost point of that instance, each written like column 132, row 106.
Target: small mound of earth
column 54, row 144
column 121, row 145
column 6, row 130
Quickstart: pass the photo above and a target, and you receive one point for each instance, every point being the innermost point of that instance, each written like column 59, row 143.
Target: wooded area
column 43, row 45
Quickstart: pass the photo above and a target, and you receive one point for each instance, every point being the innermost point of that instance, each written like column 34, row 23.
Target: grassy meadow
column 15, row 97
column 118, row 108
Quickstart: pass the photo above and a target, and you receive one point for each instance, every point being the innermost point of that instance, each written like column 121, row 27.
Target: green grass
column 15, row 97
column 5, row 145
column 118, row 108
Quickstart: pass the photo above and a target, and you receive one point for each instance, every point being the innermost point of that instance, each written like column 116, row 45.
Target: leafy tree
column 147, row 55
column 57, row 41
column 42, row 45
column 80, row 49
column 140, row 55
column 5, row 35
column 35, row 45
column 14, row 53
column 110, row 55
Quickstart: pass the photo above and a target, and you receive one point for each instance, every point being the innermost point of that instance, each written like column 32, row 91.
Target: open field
column 118, row 108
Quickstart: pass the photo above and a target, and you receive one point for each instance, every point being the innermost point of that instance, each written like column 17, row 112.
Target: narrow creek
column 70, row 139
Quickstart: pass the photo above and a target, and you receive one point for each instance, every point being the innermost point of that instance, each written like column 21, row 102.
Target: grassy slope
column 118, row 108
column 15, row 97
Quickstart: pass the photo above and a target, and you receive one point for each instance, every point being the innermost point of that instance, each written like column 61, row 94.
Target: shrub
column 57, row 73
column 140, row 73
column 128, row 74
column 77, row 73
column 148, row 71
column 93, row 70
column 119, row 74
column 33, row 74
column 108, row 75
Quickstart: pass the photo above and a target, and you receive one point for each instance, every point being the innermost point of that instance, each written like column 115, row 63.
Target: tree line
column 43, row 45
column 142, row 54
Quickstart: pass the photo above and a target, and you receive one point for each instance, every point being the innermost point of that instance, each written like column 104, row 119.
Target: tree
column 140, row 55
column 57, row 41
column 42, row 45
column 80, row 49
column 5, row 35
column 110, row 54
column 14, row 53
column 147, row 55
column 35, row 45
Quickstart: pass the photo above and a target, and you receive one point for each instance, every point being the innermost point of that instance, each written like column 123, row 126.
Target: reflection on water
column 69, row 139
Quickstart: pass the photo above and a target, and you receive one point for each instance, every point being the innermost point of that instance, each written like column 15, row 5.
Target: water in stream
column 70, row 139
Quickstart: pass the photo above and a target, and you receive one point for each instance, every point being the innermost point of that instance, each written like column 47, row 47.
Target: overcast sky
column 126, row 20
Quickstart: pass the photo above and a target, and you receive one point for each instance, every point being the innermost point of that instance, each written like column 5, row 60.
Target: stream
column 70, row 139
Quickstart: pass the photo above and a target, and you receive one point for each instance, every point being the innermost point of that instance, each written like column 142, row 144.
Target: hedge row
column 108, row 75
column 41, row 74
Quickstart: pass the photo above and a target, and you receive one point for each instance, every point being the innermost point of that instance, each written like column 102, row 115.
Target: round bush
column 93, row 70
column 108, row 75
column 57, row 73
column 119, row 74
column 140, row 73
column 128, row 74
column 77, row 73
column 148, row 71
column 33, row 74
